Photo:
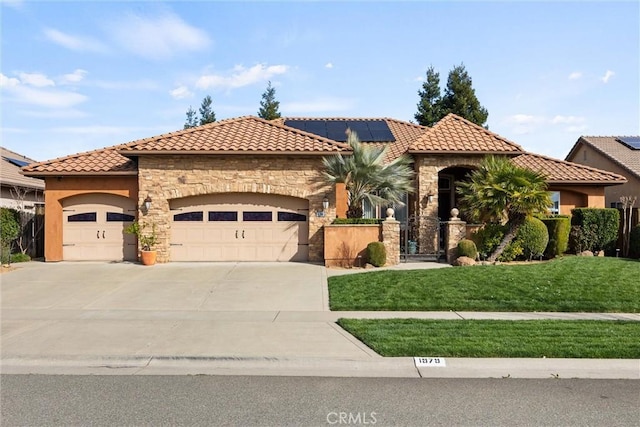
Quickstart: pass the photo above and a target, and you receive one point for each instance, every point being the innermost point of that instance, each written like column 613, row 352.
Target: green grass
column 595, row 339
column 570, row 284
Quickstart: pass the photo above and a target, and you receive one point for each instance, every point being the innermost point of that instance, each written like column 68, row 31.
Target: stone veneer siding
column 427, row 169
column 166, row 177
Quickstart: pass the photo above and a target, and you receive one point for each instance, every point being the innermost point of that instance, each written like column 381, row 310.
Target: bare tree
column 627, row 214
column 26, row 238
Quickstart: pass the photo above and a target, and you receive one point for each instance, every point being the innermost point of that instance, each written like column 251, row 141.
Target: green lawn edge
column 568, row 284
column 593, row 339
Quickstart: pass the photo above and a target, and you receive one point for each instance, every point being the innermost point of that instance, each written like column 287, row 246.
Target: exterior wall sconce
column 146, row 205
column 430, row 198
column 325, row 203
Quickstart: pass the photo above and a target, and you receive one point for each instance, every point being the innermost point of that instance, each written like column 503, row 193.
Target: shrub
column 357, row 221
column 581, row 239
column 533, row 237
column 634, row 242
column 558, row 228
column 377, row 254
column 511, row 252
column 467, row 248
column 488, row 238
column 603, row 225
column 20, row 257
column 9, row 231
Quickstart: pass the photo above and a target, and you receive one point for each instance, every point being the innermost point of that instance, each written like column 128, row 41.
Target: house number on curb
column 430, row 362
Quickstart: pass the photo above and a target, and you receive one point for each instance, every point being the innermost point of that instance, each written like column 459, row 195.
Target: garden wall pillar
column 455, row 230
column 391, row 240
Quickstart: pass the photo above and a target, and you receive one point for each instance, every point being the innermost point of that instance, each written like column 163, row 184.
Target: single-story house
column 248, row 189
column 619, row 154
column 16, row 190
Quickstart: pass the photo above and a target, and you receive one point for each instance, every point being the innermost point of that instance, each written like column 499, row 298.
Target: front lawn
column 569, row 284
column 595, row 339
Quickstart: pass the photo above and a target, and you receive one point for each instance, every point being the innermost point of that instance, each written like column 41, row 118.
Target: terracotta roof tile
column 102, row 161
column 238, row 135
column 455, row 134
column 610, row 147
column 563, row 172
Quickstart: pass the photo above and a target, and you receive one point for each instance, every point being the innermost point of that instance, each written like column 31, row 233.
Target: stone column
column 455, row 230
column 391, row 238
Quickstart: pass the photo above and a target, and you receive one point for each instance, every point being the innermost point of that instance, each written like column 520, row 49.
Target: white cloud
column 321, row 105
column 75, row 77
column 8, row 82
column 181, row 92
column 80, row 44
column 523, row 119
column 98, row 130
column 607, row 76
column 160, row 37
column 35, row 79
column 576, row 129
column 48, row 98
column 241, row 76
column 567, row 120
column 15, row 4
column 328, row 65
column 419, row 79
column 575, row 75
column 67, row 113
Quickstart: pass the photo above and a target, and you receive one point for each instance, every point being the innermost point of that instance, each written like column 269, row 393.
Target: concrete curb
column 399, row 367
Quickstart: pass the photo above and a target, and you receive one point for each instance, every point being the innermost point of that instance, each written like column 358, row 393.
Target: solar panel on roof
column 19, row 163
column 337, row 130
column 632, row 142
column 380, row 131
column 361, row 129
column 367, row 130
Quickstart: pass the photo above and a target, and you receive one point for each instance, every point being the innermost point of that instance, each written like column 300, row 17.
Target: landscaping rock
column 369, row 266
column 600, row 253
column 464, row 261
column 585, row 253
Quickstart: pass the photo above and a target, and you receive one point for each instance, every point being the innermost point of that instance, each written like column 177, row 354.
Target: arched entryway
column 448, row 198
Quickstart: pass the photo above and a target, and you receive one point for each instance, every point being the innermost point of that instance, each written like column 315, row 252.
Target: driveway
column 52, row 310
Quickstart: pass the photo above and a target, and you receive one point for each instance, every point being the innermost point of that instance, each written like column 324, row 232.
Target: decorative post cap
column 454, row 214
column 390, row 213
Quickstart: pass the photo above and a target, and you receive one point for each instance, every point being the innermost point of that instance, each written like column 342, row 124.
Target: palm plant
column 367, row 176
column 500, row 191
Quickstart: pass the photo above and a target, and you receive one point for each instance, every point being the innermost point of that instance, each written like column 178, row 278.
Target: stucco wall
column 613, row 193
column 583, row 196
column 168, row 177
column 60, row 188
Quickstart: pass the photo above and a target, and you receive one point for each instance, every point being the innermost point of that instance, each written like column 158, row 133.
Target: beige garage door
column 240, row 227
column 93, row 227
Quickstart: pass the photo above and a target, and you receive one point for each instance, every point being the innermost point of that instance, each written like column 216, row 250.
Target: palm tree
column 501, row 191
column 368, row 177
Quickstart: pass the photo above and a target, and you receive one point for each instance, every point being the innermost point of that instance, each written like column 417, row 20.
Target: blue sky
column 78, row 76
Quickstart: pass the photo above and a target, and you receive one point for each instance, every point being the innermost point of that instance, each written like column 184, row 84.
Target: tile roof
column 404, row 132
column 612, row 149
column 453, row 134
column 563, row 172
column 246, row 134
column 105, row 161
column 10, row 172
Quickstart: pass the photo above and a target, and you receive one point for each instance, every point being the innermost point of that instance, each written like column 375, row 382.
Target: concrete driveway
column 52, row 310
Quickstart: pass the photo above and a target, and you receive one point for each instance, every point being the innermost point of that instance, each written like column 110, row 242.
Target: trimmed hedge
column 371, row 221
column 599, row 227
column 558, row 228
column 377, row 254
column 467, row 248
column 533, row 237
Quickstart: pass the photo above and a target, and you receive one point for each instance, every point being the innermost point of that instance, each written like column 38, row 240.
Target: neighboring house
column 247, row 189
column 18, row 191
column 619, row 154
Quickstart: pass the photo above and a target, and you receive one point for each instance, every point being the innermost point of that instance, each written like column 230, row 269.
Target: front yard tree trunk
column 508, row 237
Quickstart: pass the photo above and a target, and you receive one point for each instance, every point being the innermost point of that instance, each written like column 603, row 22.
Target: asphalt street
column 50, row 400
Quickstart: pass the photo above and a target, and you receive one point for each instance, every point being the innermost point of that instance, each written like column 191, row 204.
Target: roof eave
column 83, row 173
column 136, row 153
column 584, row 182
column 466, row 152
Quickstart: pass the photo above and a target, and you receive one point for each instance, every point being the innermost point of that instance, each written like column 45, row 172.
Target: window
column 188, row 216
column 257, row 216
column 83, row 217
column 215, row 216
column 291, row 216
column 555, row 200
column 119, row 217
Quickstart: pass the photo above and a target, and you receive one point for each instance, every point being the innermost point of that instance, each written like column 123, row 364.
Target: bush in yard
column 634, row 242
column 533, row 237
column 9, row 231
column 20, row 257
column 512, row 251
column 377, row 254
column 558, row 228
column 599, row 227
column 488, row 238
column 467, row 248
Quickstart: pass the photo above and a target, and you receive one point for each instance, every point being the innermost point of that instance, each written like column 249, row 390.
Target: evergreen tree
column 460, row 97
column 269, row 106
column 192, row 119
column 206, row 112
column 429, row 107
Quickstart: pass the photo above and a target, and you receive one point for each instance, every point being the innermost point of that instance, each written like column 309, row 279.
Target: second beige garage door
column 239, row 227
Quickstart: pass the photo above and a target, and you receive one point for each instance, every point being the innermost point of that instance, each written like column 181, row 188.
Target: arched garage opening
column 239, row 227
